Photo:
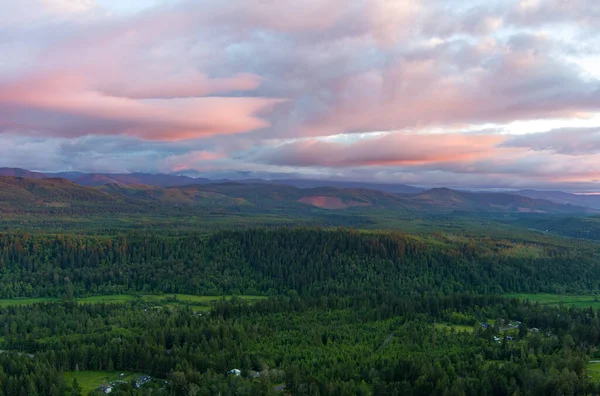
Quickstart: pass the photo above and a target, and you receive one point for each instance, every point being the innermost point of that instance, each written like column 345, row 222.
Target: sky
column 465, row 94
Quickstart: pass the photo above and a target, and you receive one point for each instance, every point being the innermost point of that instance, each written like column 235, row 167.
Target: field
column 593, row 370
column 90, row 380
column 198, row 303
column 579, row 301
column 24, row 301
column 448, row 327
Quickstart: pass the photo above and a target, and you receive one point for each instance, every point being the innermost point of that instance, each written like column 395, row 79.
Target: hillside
column 294, row 308
column 170, row 180
column 491, row 202
column 173, row 196
column 310, row 261
column 588, row 201
column 321, row 197
column 17, row 172
column 388, row 188
column 19, row 193
column 100, row 179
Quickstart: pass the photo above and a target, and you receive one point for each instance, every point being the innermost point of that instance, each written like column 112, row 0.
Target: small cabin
column 235, row 372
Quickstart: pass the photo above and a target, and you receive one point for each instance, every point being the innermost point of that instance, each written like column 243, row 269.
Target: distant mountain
column 100, row 179
column 24, row 194
column 305, row 183
column 498, row 202
column 588, row 201
column 267, row 196
column 50, row 192
column 162, row 180
column 321, row 197
column 18, row 172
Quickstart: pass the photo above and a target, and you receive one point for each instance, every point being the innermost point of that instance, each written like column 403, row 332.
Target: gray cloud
column 212, row 68
column 569, row 141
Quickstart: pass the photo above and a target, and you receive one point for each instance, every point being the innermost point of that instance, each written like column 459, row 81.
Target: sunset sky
column 460, row 93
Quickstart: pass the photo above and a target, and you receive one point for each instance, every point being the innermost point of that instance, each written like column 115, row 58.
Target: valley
column 418, row 294
column 299, row 198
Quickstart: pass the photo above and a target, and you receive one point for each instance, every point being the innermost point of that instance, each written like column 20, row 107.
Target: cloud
column 569, row 141
column 17, row 14
column 392, row 149
column 458, row 84
column 476, row 160
column 181, row 85
column 65, row 105
column 552, row 12
column 68, row 6
column 258, row 86
column 189, row 161
column 113, row 154
column 122, row 87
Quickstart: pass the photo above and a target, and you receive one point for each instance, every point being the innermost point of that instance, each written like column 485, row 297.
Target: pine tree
column 76, row 389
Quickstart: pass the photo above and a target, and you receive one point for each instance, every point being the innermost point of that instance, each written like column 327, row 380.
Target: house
column 253, row 374
column 534, row 330
column 509, row 338
column 144, row 379
column 497, row 339
column 235, row 372
column 485, row 325
column 105, row 388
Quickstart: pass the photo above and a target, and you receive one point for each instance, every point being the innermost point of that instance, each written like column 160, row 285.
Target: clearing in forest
column 579, row 301
column 196, row 302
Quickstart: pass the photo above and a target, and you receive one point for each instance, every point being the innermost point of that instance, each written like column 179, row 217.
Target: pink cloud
column 431, row 90
column 64, row 104
column 393, row 149
column 191, row 160
column 185, row 71
column 391, row 21
column 179, row 85
column 570, row 141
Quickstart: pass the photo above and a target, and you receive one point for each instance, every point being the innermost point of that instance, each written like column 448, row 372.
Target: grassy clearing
column 593, row 370
column 24, row 301
column 457, row 328
column 197, row 302
column 201, row 299
column 90, row 380
column 117, row 298
column 579, row 301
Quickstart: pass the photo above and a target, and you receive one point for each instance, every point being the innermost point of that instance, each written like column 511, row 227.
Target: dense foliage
column 349, row 313
column 308, row 261
column 321, row 346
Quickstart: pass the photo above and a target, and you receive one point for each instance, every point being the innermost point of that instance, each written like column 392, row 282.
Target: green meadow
column 579, row 301
column 593, row 370
column 91, row 380
column 197, row 302
column 455, row 327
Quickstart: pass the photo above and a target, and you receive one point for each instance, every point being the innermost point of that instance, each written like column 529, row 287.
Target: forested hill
column 349, row 313
column 169, row 180
column 310, row 262
column 62, row 197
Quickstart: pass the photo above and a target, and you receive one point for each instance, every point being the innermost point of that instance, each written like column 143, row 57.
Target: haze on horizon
column 470, row 94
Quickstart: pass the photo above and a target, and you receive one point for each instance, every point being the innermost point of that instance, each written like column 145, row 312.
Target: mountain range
column 162, row 180
column 165, row 180
column 30, row 194
column 588, row 201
